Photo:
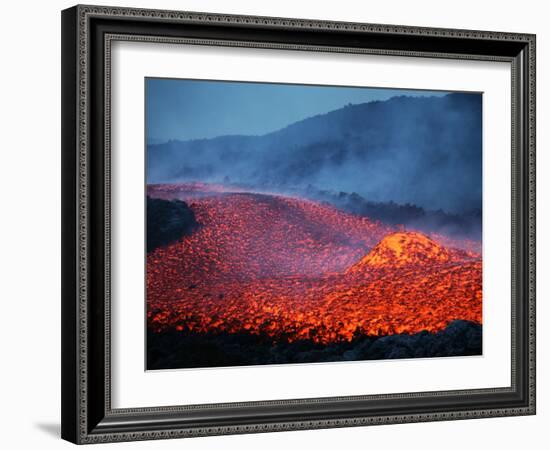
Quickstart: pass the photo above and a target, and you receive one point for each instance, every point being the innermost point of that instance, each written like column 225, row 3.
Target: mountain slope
column 405, row 149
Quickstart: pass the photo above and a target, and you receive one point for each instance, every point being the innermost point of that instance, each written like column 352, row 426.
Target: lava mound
column 406, row 248
column 291, row 269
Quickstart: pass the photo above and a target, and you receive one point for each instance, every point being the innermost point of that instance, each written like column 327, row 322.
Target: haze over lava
column 294, row 269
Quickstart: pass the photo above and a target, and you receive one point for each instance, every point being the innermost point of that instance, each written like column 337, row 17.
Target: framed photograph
column 277, row 224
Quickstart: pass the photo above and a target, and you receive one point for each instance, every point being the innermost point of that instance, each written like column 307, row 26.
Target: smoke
column 425, row 151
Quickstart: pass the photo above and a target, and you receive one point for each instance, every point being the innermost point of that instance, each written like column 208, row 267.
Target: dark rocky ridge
column 173, row 349
column 168, row 221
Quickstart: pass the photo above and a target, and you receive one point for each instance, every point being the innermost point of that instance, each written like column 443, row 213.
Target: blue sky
column 196, row 109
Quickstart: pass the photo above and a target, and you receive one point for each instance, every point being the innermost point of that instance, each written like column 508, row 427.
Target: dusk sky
column 195, row 109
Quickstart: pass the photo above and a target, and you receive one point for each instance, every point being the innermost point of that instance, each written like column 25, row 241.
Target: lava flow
column 292, row 269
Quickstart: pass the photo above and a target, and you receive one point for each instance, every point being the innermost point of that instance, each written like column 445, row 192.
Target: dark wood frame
column 87, row 32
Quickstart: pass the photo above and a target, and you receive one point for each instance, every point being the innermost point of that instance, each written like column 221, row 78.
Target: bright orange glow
column 401, row 249
column 295, row 269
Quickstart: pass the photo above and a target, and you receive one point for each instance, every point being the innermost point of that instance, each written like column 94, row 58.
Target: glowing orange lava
column 294, row 269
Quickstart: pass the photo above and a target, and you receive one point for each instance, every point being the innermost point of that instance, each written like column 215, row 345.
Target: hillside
column 369, row 145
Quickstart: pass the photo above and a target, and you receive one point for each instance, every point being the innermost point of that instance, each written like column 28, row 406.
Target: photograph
column 279, row 218
column 293, row 223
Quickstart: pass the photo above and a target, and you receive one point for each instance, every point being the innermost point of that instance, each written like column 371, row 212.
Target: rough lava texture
column 405, row 249
column 289, row 270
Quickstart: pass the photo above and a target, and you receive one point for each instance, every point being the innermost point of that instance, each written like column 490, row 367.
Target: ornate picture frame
column 88, row 33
